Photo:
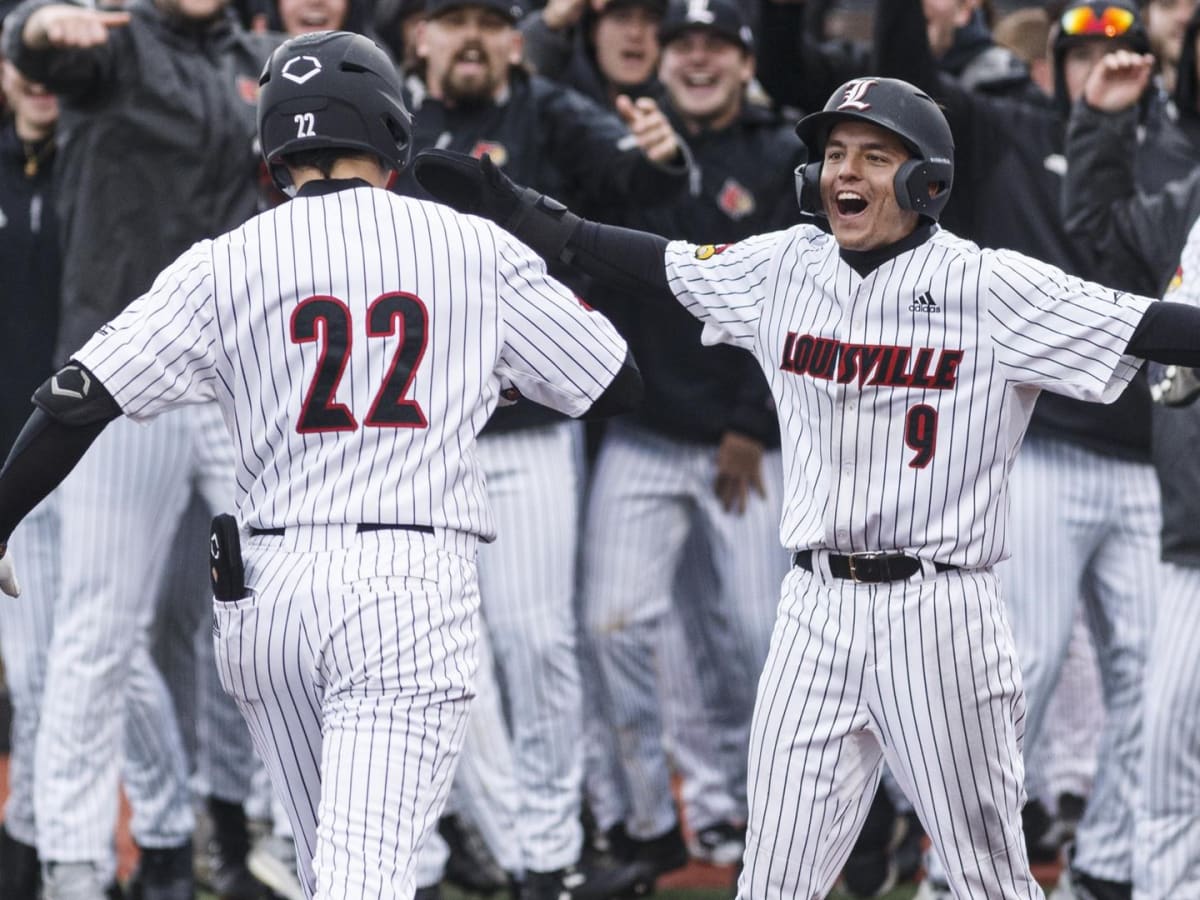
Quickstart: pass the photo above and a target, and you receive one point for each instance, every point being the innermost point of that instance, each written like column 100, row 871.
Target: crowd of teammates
column 629, row 599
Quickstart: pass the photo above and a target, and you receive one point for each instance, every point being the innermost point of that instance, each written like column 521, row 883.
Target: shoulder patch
column 708, row 251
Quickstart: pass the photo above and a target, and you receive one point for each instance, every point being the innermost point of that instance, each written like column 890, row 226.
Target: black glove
column 478, row 187
column 470, row 185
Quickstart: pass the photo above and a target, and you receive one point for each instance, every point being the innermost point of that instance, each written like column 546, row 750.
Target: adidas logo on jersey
column 924, row 304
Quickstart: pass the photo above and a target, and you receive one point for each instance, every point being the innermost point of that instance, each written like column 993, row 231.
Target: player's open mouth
column 849, row 203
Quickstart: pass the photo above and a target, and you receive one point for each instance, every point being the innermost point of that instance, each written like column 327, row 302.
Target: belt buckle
column 874, row 563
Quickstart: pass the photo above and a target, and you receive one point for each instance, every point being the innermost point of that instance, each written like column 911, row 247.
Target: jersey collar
column 322, row 186
column 865, row 261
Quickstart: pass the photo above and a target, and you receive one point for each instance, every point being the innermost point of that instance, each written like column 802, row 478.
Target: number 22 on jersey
column 327, row 320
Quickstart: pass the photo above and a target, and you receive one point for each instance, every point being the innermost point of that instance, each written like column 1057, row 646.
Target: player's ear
column 747, row 68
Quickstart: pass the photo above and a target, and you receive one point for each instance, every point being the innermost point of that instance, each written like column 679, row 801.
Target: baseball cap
column 723, row 17
column 510, row 9
column 1110, row 20
column 657, row 7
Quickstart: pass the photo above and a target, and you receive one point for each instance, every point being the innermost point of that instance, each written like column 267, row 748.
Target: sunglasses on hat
column 1107, row 22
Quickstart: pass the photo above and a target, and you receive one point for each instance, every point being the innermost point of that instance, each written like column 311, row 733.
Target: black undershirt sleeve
column 622, row 395
column 621, row 257
column 71, row 409
column 1169, row 333
column 45, row 453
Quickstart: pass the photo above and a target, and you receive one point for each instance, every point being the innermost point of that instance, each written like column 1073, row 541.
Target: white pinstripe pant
column 1167, row 839
column 1085, row 529
column 1065, row 758
column 648, row 493
column 921, row 674
column 701, row 715
column 485, row 789
column 221, row 759
column 527, row 585
column 25, row 627
column 352, row 660
column 119, row 510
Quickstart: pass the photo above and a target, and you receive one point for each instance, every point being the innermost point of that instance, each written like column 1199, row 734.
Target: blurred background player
column 471, row 94
column 698, row 461
column 112, row 70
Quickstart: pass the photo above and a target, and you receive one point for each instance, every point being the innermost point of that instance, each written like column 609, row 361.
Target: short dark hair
column 323, row 159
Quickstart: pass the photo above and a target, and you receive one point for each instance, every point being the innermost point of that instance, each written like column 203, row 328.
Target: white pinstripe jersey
column 903, row 396
column 357, row 341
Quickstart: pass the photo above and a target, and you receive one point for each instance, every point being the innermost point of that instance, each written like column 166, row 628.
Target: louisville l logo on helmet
column 301, row 68
column 856, row 92
column 698, row 11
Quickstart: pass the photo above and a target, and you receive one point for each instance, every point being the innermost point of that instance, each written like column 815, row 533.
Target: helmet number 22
column 327, row 321
column 305, row 123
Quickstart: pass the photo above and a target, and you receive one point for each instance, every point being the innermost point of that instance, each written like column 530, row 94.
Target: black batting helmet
column 331, row 89
column 907, row 112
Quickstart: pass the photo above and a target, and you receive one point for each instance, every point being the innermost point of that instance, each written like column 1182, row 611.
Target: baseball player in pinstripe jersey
column 355, row 342
column 699, row 458
column 157, row 151
column 904, row 363
column 472, row 96
column 1135, row 230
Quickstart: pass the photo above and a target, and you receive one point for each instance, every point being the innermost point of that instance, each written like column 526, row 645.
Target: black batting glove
column 478, row 187
column 473, row 186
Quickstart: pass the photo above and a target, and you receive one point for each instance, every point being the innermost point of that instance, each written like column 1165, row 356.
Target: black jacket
column 1144, row 233
column 569, row 57
column 156, row 150
column 795, row 69
column 742, row 185
column 1008, row 178
column 551, row 138
column 29, row 286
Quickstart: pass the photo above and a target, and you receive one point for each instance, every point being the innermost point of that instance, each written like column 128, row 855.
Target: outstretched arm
column 63, row 45
column 72, row 409
column 626, row 259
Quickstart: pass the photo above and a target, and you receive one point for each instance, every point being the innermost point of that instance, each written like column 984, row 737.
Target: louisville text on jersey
column 885, row 365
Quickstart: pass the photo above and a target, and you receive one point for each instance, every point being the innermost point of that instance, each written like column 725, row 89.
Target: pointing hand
column 65, row 26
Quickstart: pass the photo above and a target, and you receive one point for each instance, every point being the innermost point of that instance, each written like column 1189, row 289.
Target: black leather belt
column 361, row 529
column 869, row 568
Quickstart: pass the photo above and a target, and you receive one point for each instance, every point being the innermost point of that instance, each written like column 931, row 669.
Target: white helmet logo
column 856, row 90
column 301, row 68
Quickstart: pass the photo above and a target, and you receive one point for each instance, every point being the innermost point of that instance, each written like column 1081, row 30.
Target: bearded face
column 467, row 52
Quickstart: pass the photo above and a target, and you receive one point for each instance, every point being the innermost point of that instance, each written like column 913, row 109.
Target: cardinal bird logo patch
column 1176, row 280
column 735, row 201
column 496, row 151
column 710, row 250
